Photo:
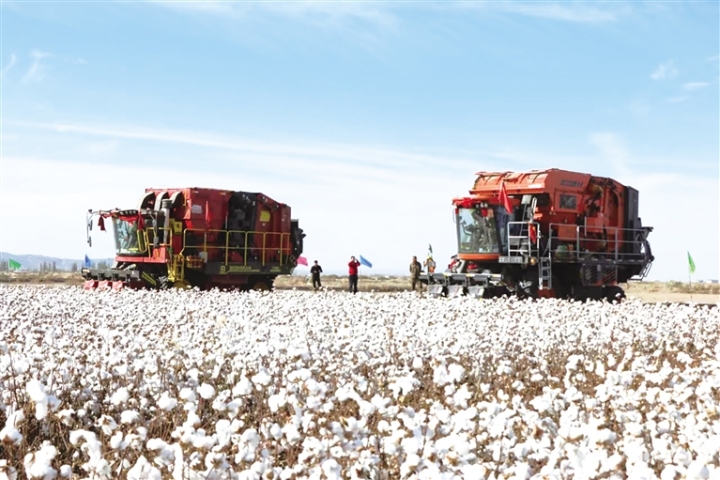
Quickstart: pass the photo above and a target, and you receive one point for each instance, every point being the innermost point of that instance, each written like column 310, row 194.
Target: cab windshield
column 128, row 241
column 482, row 230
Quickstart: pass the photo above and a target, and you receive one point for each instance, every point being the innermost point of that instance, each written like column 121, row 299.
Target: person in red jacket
column 353, row 277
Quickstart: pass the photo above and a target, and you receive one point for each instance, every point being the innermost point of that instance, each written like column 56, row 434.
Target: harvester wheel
column 614, row 294
column 182, row 284
column 263, row 284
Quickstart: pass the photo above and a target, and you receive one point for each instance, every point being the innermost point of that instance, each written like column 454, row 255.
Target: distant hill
column 34, row 262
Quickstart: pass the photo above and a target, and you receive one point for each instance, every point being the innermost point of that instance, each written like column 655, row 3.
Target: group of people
column 415, row 271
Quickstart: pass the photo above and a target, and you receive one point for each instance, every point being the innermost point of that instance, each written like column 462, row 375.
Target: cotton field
column 290, row 385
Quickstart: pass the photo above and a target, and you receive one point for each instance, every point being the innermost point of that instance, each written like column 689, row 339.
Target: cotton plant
column 279, row 385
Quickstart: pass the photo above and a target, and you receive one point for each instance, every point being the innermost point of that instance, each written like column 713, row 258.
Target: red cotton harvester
column 549, row 233
column 198, row 237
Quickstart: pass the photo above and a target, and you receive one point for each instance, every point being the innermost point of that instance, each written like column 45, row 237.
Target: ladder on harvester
column 545, row 273
column 177, row 268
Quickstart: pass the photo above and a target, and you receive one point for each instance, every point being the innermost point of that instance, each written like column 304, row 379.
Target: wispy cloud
column 7, row 67
column 348, row 17
column 695, row 85
column 566, row 11
column 36, row 73
column 664, row 71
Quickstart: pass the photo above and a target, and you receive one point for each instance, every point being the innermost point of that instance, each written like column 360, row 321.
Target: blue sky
column 367, row 118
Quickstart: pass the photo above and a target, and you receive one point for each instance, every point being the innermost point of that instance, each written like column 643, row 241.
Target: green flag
column 691, row 264
column 13, row 264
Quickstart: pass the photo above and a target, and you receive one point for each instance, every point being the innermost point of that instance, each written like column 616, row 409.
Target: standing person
column 415, row 269
column 315, row 271
column 353, row 274
column 430, row 264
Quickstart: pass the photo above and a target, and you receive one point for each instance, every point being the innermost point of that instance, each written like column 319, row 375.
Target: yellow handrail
column 284, row 249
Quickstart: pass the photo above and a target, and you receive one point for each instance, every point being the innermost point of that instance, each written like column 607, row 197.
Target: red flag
column 101, row 223
column 504, row 199
column 302, row 261
column 533, row 233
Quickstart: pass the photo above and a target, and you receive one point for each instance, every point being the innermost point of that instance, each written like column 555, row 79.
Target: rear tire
column 262, row 284
column 614, row 294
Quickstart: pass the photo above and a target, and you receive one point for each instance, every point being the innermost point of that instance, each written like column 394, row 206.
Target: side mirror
column 89, row 241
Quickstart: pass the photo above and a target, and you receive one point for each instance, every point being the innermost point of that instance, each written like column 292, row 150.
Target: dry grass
column 369, row 283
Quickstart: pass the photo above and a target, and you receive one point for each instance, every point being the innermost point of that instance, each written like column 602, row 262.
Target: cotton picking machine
column 549, row 233
column 198, row 237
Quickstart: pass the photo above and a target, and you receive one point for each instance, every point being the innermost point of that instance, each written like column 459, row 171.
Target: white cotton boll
column 262, row 378
column 440, row 375
column 522, row 471
column 206, row 391
column 277, row 401
column 120, row 396
column 250, row 437
column 242, row 388
column 10, row 435
column 461, row 397
column 7, row 472
column 292, row 434
column 36, row 391
column 116, row 441
column 65, row 471
column 331, row 468
column 697, row 470
column 129, row 416
column 188, row 394
column 38, row 465
column 475, row 471
column 143, row 470
column 41, row 410
column 417, row 363
column 166, row 402
column 668, row 473
column 634, row 429
column 455, row 373
column 276, row 431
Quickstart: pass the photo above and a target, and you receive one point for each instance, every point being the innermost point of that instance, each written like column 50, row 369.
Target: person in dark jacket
column 415, row 269
column 353, row 274
column 315, row 271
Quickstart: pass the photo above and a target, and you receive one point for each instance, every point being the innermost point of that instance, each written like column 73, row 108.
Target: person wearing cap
column 315, row 271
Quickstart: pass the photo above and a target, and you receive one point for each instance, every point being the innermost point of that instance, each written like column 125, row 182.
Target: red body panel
column 596, row 203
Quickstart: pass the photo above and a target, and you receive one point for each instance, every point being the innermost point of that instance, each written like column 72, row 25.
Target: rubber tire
column 614, row 294
column 182, row 285
column 263, row 285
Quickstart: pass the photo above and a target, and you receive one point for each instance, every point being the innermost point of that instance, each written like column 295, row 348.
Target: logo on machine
column 196, row 209
column 570, row 183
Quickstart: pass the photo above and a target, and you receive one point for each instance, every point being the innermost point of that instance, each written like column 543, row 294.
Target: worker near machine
column 430, row 264
column 315, row 271
column 415, row 269
column 353, row 274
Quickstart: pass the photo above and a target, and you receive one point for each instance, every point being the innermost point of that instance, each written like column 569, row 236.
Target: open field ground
column 646, row 291
column 289, row 385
